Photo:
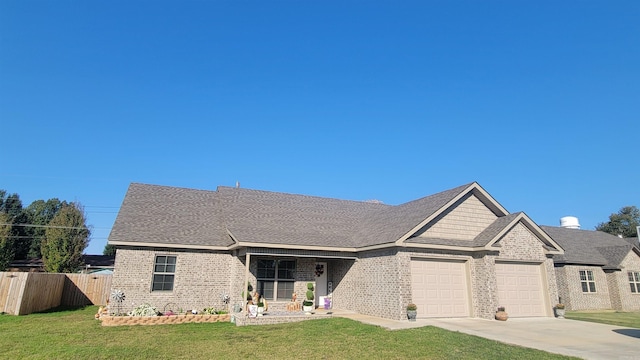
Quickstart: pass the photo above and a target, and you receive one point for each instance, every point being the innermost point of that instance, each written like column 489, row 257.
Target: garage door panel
column 520, row 289
column 439, row 288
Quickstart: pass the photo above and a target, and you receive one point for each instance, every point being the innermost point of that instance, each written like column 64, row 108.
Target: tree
column 623, row 223
column 65, row 239
column 109, row 250
column 6, row 245
column 40, row 212
column 17, row 240
column 10, row 203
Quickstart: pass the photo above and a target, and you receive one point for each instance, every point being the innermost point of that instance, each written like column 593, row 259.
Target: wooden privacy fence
column 86, row 289
column 23, row 293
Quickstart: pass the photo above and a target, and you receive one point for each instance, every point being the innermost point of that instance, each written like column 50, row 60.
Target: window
column 163, row 273
column 587, row 281
column 634, row 281
column 276, row 278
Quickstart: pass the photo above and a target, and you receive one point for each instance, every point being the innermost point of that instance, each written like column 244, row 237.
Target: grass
column 626, row 319
column 75, row 334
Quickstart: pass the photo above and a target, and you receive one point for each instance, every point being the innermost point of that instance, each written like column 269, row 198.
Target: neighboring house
column 98, row 264
column 457, row 253
column 94, row 264
column 597, row 270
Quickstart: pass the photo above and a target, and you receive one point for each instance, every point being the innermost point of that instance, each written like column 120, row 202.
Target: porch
column 281, row 317
column 281, row 277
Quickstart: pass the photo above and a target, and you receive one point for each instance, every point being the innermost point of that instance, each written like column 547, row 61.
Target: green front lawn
column 75, row 334
column 626, row 319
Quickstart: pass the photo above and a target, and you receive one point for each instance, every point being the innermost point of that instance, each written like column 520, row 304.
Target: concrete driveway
column 586, row 340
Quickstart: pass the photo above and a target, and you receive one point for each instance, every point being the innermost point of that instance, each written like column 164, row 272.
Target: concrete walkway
column 568, row 337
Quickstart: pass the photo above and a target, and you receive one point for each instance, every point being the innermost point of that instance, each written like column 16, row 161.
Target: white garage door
column 520, row 289
column 439, row 288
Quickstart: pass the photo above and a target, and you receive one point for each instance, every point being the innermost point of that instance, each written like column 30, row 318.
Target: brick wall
column 345, row 277
column 237, row 282
column 200, row 279
column 571, row 290
column 628, row 301
column 483, row 285
column 613, row 285
column 563, row 286
column 378, row 293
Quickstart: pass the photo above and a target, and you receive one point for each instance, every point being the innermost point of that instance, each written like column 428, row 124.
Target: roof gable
column 502, row 226
column 448, row 202
column 490, row 237
column 461, row 221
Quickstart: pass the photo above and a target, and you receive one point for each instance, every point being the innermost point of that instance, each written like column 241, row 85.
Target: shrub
column 412, row 307
column 209, row 311
column 144, row 310
column 310, row 295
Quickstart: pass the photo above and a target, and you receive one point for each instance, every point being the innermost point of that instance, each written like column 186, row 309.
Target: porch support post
column 246, row 278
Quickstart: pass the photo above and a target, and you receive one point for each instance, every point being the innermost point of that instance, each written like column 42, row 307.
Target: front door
column 321, row 283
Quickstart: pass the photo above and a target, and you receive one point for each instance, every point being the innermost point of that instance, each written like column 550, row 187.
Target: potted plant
column 559, row 309
column 307, row 305
column 501, row 314
column 412, row 311
column 260, row 308
column 249, row 290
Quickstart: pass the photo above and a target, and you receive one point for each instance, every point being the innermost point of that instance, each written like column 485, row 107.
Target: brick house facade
column 594, row 272
column 454, row 253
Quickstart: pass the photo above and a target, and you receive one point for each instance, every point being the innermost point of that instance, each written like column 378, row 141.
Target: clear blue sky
column 538, row 101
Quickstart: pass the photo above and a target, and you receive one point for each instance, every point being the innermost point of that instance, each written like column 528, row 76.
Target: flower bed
column 108, row 320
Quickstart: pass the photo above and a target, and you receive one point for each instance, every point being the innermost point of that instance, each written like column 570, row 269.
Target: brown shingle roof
column 154, row 214
column 169, row 215
column 588, row 247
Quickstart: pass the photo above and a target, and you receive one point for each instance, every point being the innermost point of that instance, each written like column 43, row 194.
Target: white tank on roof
column 569, row 222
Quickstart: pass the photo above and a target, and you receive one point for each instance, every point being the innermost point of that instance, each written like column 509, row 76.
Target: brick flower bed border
column 159, row 320
column 243, row 320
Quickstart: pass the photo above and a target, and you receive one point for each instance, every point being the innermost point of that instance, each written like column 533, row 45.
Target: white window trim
column 587, row 281
column 636, row 281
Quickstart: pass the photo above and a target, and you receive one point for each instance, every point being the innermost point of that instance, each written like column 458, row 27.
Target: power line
column 42, row 237
column 51, row 226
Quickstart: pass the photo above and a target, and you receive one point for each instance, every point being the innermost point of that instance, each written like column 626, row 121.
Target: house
column 597, row 270
column 95, row 264
column 457, row 253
